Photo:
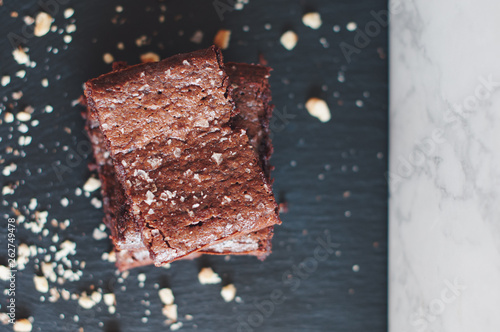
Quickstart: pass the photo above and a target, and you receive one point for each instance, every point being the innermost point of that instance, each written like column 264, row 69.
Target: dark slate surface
column 317, row 166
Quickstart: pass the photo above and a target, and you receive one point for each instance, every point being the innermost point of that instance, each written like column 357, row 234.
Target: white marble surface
column 444, row 270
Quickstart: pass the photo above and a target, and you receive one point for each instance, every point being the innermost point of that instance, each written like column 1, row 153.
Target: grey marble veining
column 444, row 271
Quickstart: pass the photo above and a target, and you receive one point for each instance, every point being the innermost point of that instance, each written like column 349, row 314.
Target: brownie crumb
column 222, row 38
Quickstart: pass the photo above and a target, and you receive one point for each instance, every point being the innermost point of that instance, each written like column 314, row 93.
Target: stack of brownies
column 182, row 149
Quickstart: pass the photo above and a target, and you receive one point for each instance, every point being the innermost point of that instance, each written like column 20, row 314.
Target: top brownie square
column 191, row 181
column 167, row 98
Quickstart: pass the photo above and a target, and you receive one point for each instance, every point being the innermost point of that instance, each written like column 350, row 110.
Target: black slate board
column 331, row 174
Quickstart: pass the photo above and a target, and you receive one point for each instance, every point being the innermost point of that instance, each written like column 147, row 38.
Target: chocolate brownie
column 252, row 95
column 191, row 181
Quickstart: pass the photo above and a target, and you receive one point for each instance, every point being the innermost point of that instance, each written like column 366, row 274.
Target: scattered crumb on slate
column 176, row 326
column 150, row 57
column 92, row 184
column 312, row 20
column 41, row 284
column 87, row 302
column 5, row 80
column 20, row 56
column 208, row 276
column 319, row 109
column 351, row 26
column 22, row 325
column 283, row 207
column 170, row 311
column 166, row 296
column 68, row 12
column 228, row 292
column 97, row 203
column 109, row 299
column 98, row 234
column 108, row 58
column 197, row 37
column 43, row 22
column 289, row 40
column 222, row 38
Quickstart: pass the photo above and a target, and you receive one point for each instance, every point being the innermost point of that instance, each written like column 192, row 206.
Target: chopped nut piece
column 17, row 95
column 20, row 56
column 64, row 201
column 43, row 22
column 208, row 276
column 5, row 80
column 96, row 297
column 48, row 270
column 54, row 295
column 150, row 57
column 197, row 37
column 289, row 40
column 4, row 273
column 176, row 326
column 170, row 311
column 222, row 38
column 96, row 203
column 71, row 28
column 23, row 116
column 41, row 284
column 68, row 12
column 86, row 302
column 312, row 20
column 4, row 318
column 108, row 58
column 351, row 26
column 28, row 20
column 228, row 292
column 319, row 109
column 109, row 299
column 22, row 325
column 97, row 234
column 8, row 117
column 166, row 296
column 24, row 140
column 67, row 247
column 21, row 73
column 92, row 184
